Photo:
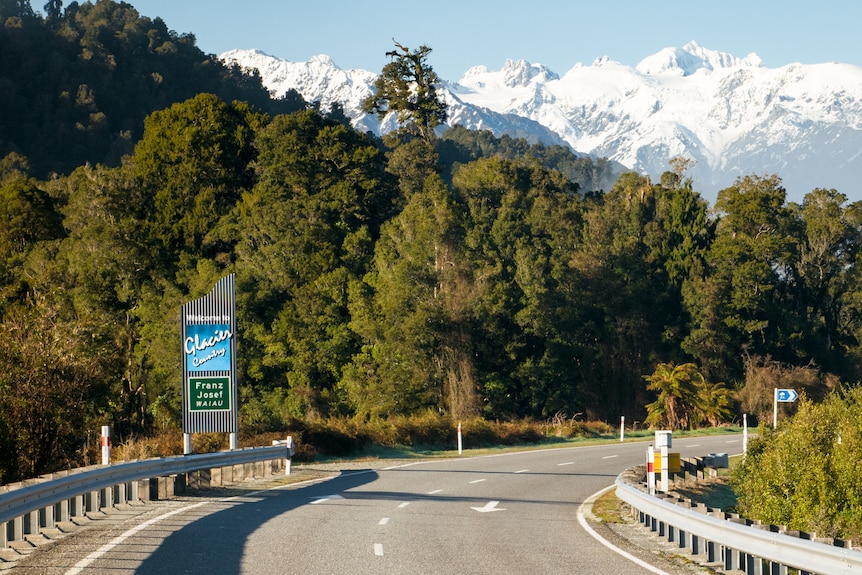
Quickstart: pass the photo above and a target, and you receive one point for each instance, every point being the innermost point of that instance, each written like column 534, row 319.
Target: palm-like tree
column 713, row 403
column 678, row 388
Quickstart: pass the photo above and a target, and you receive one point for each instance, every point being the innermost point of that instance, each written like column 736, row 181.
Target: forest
column 428, row 271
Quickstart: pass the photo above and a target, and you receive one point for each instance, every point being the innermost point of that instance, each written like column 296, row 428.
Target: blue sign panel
column 786, row 395
column 207, row 347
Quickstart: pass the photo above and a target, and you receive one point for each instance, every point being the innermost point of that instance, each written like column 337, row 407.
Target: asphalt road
column 507, row 513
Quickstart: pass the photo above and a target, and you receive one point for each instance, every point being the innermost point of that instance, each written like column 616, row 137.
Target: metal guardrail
column 43, row 496
column 738, row 543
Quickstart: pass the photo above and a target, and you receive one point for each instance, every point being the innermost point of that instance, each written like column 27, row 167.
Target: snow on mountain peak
column 521, row 73
column 731, row 116
column 691, row 58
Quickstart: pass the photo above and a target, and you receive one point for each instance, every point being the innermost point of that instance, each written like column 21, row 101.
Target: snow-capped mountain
column 732, row 116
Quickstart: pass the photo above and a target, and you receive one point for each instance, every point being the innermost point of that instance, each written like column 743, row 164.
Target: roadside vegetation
column 807, row 474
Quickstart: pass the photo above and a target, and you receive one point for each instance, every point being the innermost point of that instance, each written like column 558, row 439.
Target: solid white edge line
column 86, row 561
column 89, row 559
column 585, row 524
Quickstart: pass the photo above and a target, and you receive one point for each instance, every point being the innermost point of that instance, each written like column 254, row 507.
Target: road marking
column 694, row 445
column 378, row 549
column 325, row 499
column 584, row 508
column 89, row 559
column 566, row 463
column 384, row 521
column 477, row 481
column 403, row 505
column 107, row 547
column 435, row 492
column 490, row 506
column 609, row 456
column 522, row 471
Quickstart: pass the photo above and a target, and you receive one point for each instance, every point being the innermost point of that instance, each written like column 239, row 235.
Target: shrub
column 807, row 475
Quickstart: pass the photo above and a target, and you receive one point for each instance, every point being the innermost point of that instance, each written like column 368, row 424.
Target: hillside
column 77, row 86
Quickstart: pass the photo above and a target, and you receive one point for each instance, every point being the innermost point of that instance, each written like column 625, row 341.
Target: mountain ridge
column 732, row 116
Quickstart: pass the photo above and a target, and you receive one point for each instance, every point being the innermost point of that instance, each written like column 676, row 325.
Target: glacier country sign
column 209, row 361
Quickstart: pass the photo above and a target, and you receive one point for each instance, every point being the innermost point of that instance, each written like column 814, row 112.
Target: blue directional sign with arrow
column 786, row 395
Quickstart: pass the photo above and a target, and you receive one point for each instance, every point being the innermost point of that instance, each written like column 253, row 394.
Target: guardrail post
column 105, row 498
column 46, row 517
column 753, row 565
column 17, row 529
column 683, row 539
column 712, row 551
column 61, row 511
column 777, row 569
column 122, row 493
column 696, row 545
column 76, row 506
column 731, row 558
column 31, row 524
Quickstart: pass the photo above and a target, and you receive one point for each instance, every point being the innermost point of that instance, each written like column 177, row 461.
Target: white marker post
column 663, row 439
column 460, row 443
column 650, row 470
column 106, row 445
column 744, row 434
column 622, row 428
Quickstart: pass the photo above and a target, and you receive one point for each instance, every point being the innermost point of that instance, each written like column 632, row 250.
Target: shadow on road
column 215, row 542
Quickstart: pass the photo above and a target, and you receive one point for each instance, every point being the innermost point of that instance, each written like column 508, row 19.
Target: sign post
column 664, row 440
column 209, row 364
column 781, row 396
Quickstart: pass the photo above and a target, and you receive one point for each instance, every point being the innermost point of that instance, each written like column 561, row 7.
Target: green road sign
column 209, row 393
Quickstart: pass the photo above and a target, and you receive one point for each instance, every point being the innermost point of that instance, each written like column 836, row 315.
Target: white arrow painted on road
column 325, row 499
column 490, row 506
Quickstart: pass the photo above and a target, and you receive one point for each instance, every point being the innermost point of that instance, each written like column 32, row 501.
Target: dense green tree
column 28, row 216
column 107, row 265
column 635, row 238
column 194, row 162
column 47, row 397
column 407, row 86
column 521, row 220
column 303, row 232
column 825, row 279
column 460, row 145
column 739, row 302
column 409, row 313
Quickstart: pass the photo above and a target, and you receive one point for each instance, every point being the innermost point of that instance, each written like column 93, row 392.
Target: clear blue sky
column 557, row 33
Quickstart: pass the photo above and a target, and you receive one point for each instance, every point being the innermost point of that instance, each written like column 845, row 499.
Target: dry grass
column 351, row 437
column 608, row 508
column 714, row 492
